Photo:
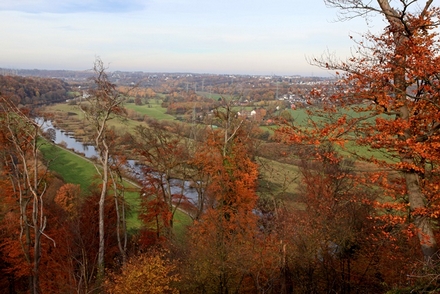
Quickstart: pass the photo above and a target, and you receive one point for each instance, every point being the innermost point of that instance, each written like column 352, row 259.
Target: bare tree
column 102, row 104
column 165, row 155
column 27, row 177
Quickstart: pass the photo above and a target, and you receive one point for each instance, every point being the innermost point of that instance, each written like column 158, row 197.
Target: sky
column 263, row 37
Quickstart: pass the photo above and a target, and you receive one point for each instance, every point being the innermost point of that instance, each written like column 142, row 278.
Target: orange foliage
column 227, row 251
column 393, row 88
column 147, row 273
column 156, row 217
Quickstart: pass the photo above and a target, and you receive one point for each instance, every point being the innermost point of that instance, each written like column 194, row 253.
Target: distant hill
column 45, row 73
column 34, row 90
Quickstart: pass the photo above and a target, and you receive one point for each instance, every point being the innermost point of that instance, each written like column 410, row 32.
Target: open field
column 73, row 119
column 351, row 149
column 152, row 110
column 277, row 178
column 213, row 96
column 72, row 168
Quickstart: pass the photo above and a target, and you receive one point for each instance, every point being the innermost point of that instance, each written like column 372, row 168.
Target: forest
column 36, row 91
column 345, row 200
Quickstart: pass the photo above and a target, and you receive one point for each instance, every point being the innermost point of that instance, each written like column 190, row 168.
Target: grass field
column 66, row 108
column 70, row 166
column 276, row 177
column 152, row 110
column 351, row 148
column 77, row 120
column 213, row 96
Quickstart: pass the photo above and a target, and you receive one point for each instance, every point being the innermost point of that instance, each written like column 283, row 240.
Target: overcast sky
column 200, row 36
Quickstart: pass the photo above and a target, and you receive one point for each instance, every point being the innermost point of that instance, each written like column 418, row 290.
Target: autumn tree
column 391, row 83
column 225, row 247
column 58, row 268
column 163, row 155
column 26, row 192
column 201, row 175
column 150, row 272
column 33, row 90
column 70, row 266
column 101, row 105
column 331, row 241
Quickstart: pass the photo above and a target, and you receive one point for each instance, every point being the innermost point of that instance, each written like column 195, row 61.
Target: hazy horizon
column 323, row 74
column 227, row 37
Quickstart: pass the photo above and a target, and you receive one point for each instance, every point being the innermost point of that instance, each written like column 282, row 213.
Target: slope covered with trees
column 34, row 91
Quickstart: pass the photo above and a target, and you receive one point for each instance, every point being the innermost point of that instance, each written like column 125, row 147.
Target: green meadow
column 351, row 149
column 70, row 166
column 76, row 120
column 214, row 96
column 153, row 110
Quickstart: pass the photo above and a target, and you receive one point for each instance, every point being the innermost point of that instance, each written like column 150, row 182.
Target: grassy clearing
column 300, row 116
column 131, row 195
column 355, row 151
column 152, row 110
column 351, row 149
column 181, row 222
column 214, row 96
column 70, row 166
column 277, row 179
column 65, row 108
column 75, row 120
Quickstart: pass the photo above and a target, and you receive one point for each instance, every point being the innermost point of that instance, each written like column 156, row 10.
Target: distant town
column 291, row 89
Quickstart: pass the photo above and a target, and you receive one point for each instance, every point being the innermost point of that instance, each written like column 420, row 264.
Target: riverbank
column 76, row 169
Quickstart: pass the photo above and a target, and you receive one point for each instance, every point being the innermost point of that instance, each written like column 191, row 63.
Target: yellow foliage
column 147, row 273
column 67, row 198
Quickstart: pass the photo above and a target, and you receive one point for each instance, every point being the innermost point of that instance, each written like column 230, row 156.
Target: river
column 64, row 138
column 89, row 151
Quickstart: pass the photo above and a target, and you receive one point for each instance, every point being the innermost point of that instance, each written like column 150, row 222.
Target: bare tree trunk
column 104, row 161
column 24, row 133
column 38, row 217
column 103, row 104
column 423, row 224
column 418, row 201
column 120, row 219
